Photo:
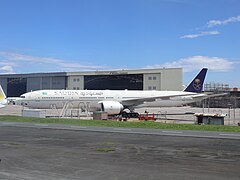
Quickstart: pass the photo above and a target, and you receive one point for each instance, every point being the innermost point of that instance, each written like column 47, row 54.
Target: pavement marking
column 175, row 132
column 79, row 127
column 6, row 123
column 44, row 125
column 121, row 129
column 229, row 135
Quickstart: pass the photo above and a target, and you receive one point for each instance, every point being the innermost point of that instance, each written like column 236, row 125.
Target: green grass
column 143, row 124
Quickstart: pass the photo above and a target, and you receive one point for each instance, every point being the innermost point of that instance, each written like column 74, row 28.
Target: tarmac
column 47, row 151
column 141, row 131
column 43, row 153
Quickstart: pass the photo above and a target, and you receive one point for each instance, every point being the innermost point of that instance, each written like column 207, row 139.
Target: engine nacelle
column 111, row 107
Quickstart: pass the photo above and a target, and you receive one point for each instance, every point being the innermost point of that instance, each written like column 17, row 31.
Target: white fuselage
column 90, row 98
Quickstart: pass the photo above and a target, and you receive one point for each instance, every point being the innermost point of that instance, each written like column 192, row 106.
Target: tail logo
column 197, row 85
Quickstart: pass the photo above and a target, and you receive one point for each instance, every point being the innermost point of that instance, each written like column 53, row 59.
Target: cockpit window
column 22, row 96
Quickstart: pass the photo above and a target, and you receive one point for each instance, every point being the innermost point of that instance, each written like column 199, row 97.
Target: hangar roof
column 102, row 72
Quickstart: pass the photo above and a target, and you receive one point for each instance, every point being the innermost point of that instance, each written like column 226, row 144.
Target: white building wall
column 171, row 79
column 75, row 82
column 152, row 81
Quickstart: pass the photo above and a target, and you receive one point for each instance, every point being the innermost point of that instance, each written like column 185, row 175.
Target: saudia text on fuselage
column 78, row 93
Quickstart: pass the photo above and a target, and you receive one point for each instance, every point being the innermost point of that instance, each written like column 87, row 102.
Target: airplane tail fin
column 3, row 99
column 197, row 83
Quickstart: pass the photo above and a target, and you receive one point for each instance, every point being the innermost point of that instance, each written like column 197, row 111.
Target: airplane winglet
column 196, row 85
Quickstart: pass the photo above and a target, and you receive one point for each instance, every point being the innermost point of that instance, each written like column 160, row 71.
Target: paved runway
column 51, row 153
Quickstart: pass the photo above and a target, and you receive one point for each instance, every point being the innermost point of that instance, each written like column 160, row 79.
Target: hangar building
column 142, row 79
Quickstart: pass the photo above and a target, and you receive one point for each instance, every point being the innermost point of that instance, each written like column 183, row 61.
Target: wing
column 205, row 96
column 217, row 95
column 138, row 101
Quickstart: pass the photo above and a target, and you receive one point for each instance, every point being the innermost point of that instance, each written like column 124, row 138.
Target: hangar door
column 114, row 82
column 16, row 86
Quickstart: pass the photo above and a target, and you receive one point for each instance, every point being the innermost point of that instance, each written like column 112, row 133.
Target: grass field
column 112, row 123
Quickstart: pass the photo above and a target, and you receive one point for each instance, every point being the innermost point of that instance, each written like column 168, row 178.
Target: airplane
column 3, row 99
column 112, row 101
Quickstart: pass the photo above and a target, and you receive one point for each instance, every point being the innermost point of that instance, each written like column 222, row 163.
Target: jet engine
column 111, row 107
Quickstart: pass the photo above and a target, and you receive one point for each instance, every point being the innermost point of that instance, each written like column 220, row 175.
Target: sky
column 88, row 35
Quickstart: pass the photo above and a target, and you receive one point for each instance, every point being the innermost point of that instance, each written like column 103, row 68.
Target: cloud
column 205, row 33
column 197, row 62
column 6, row 70
column 6, row 67
column 213, row 23
column 52, row 64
